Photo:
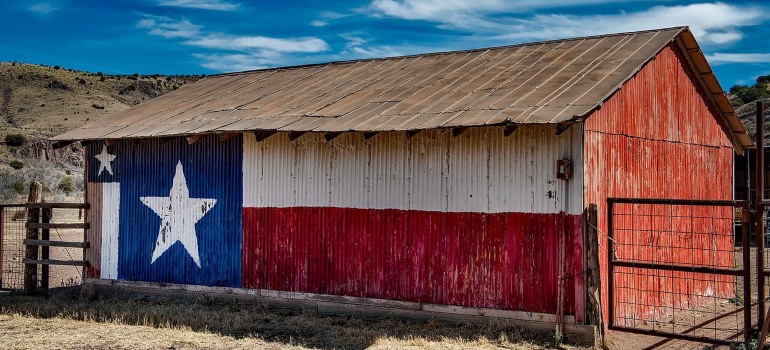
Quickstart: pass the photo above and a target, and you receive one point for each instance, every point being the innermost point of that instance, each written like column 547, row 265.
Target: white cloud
column 216, row 5
column 319, row 23
column 169, row 28
column 241, row 52
column 43, row 8
column 712, row 23
column 723, row 57
column 246, row 43
column 232, row 62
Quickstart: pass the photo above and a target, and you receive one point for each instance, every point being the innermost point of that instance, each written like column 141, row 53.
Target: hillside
column 38, row 102
column 744, row 97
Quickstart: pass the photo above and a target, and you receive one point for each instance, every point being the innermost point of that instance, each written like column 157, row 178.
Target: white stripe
column 110, row 220
column 478, row 171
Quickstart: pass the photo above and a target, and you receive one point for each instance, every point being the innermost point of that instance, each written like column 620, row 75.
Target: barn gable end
column 659, row 136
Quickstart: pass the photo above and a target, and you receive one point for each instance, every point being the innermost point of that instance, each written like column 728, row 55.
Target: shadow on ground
column 238, row 319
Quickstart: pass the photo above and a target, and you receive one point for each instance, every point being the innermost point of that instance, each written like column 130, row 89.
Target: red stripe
column 503, row 261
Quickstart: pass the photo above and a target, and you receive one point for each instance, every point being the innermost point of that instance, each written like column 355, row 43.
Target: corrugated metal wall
column 470, row 220
column 656, row 138
column 149, row 172
column 479, row 171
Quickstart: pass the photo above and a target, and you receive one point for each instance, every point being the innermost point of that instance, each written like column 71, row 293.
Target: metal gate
column 676, row 271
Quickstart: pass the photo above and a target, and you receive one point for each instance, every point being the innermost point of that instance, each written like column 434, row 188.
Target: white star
column 178, row 213
column 105, row 160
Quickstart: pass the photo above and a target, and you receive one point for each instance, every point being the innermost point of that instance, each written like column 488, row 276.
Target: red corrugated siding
column 658, row 137
column 502, row 260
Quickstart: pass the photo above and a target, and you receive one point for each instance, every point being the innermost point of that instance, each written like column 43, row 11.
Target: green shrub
column 67, row 185
column 15, row 140
column 18, row 187
column 17, row 164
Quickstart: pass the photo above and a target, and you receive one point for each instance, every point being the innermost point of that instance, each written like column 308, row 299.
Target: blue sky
column 212, row 36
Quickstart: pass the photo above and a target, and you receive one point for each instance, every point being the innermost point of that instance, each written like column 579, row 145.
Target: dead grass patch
column 110, row 321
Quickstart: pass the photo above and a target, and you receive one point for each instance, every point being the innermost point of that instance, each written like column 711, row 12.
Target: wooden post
column 45, row 250
column 33, row 216
column 592, row 276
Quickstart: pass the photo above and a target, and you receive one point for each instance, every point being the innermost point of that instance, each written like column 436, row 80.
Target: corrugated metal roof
column 546, row 82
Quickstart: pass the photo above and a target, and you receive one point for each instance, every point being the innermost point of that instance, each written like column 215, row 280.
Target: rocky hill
column 744, row 98
column 37, row 102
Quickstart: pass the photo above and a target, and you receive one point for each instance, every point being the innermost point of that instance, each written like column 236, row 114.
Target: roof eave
column 740, row 137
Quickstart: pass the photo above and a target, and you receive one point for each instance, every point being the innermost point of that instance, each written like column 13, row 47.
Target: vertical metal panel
column 110, row 229
column 501, row 260
column 431, row 171
column 470, row 220
column 212, row 171
column 94, row 231
column 658, row 136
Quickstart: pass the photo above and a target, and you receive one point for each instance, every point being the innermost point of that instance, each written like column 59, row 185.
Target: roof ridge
column 427, row 54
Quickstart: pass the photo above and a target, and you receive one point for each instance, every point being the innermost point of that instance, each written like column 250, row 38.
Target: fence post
column 592, row 279
column 45, row 250
column 33, row 216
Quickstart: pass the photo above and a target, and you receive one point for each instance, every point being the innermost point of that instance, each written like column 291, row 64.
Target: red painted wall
column 659, row 137
column 500, row 260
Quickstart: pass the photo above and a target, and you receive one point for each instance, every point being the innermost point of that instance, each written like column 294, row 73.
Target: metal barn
column 471, row 183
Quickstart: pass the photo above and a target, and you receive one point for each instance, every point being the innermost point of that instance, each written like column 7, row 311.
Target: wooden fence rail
column 38, row 240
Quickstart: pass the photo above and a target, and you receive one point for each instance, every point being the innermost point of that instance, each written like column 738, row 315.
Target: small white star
column 178, row 213
column 105, row 160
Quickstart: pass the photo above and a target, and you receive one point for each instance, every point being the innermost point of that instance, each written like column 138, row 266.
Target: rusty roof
column 545, row 82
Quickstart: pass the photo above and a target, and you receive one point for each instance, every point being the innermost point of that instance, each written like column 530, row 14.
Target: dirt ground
column 74, row 319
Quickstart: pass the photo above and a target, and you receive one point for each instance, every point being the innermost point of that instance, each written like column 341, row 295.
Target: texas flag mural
column 180, row 211
column 387, row 218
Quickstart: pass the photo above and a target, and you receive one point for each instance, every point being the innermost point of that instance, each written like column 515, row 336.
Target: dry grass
column 70, row 319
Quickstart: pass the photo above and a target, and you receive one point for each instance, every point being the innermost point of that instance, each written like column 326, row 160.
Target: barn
column 452, row 183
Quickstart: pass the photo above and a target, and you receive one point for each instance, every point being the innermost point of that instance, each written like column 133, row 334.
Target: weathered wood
column 562, row 127
column 296, row 134
column 194, row 138
column 39, row 205
column 509, row 129
column 332, row 135
column 228, row 135
column 361, row 307
column 592, row 275
column 412, row 133
column 45, row 254
column 35, row 262
column 459, row 131
column 31, row 252
column 61, row 144
column 48, row 243
column 261, row 135
column 472, row 311
column 50, row 225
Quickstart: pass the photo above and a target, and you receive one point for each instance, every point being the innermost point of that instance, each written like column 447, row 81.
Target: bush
column 15, row 140
column 17, row 164
column 18, row 187
column 67, row 185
